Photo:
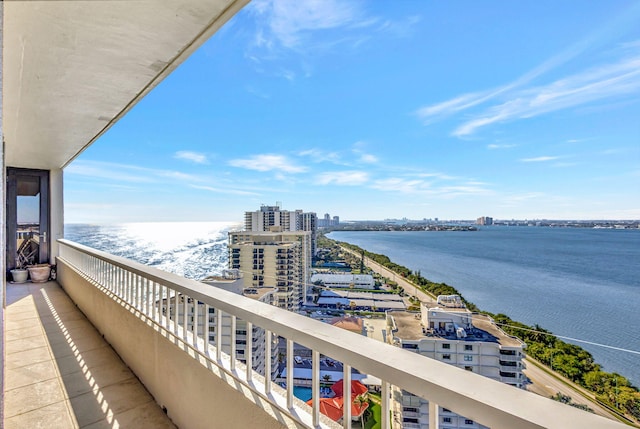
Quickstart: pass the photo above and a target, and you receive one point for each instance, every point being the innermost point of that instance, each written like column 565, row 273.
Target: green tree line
column 570, row 360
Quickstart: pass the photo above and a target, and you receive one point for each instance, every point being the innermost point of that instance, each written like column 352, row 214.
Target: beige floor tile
column 30, row 374
column 17, row 325
column 32, row 331
column 147, row 416
column 27, row 357
column 95, row 378
column 25, row 315
column 94, row 407
column 52, row 325
column 89, row 359
column 32, row 397
column 77, row 347
column 54, row 416
column 23, row 344
column 60, row 371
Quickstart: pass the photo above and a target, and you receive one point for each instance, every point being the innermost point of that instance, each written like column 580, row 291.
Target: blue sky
column 375, row 109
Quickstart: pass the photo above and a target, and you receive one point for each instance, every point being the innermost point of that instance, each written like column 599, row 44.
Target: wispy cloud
column 430, row 188
column 225, row 190
column 319, row 155
column 198, row 158
column 127, row 173
column 612, row 80
column 268, row 162
column 288, row 21
column 346, row 178
column 540, row 159
column 519, row 100
column 496, row 146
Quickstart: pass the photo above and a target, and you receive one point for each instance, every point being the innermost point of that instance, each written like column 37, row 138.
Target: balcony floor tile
column 60, row 373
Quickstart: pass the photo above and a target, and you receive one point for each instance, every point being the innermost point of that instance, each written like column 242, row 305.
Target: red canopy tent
column 330, row 407
column 333, row 407
column 357, row 388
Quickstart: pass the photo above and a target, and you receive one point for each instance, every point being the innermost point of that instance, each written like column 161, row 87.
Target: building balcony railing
column 100, row 284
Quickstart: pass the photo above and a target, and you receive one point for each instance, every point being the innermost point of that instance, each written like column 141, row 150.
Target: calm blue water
column 580, row 283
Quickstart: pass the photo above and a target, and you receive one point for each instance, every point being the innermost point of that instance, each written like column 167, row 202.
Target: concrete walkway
column 60, row 373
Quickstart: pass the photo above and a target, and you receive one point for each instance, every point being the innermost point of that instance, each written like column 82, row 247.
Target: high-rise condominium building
column 270, row 216
column 448, row 332
column 281, row 259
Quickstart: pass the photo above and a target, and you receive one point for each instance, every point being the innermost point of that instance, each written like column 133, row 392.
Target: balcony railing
column 139, row 289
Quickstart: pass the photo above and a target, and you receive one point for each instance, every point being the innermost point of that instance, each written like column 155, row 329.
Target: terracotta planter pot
column 19, row 275
column 39, row 273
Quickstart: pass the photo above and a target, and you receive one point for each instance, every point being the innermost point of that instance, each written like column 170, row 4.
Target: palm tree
column 359, row 402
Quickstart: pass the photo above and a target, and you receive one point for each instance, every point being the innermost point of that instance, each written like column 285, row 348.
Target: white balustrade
column 182, row 307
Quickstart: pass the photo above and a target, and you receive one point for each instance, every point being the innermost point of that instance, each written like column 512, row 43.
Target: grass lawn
column 375, row 420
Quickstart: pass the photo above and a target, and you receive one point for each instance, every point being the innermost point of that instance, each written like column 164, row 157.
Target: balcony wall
column 200, row 386
column 194, row 395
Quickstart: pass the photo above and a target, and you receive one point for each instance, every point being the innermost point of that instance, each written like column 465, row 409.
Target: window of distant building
column 468, row 422
column 446, row 346
column 468, row 368
column 468, row 347
column 446, row 419
column 446, row 357
column 468, row 358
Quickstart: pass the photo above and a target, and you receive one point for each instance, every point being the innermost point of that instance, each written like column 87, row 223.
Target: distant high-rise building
column 270, row 216
column 277, row 258
column 327, row 221
column 484, row 220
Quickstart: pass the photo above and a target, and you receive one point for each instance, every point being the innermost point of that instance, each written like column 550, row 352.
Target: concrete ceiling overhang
column 71, row 69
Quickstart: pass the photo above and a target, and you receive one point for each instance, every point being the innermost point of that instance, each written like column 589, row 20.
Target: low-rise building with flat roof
column 449, row 332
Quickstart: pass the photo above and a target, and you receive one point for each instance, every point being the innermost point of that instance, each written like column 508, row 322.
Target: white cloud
column 268, row 162
column 348, row 178
column 401, row 185
column 368, row 158
column 621, row 79
column 540, row 159
column 289, row 20
column 196, row 157
column 115, row 172
column 319, row 155
column 500, row 146
column 225, row 190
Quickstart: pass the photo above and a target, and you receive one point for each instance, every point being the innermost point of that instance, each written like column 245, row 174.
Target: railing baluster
column 289, row 373
column 154, row 300
column 218, row 334
column 206, row 328
column 194, row 329
column 315, row 387
column 176, row 312
column 267, row 361
column 346, row 392
column 434, row 420
column 185, row 318
column 248, row 349
column 232, row 353
column 385, row 408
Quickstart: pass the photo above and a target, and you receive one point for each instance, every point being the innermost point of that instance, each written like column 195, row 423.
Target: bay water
column 576, row 282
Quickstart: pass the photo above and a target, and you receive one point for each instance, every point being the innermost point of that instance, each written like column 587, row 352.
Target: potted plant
column 19, row 273
column 39, row 273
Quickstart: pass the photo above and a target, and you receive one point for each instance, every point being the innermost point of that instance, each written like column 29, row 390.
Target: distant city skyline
column 374, row 110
